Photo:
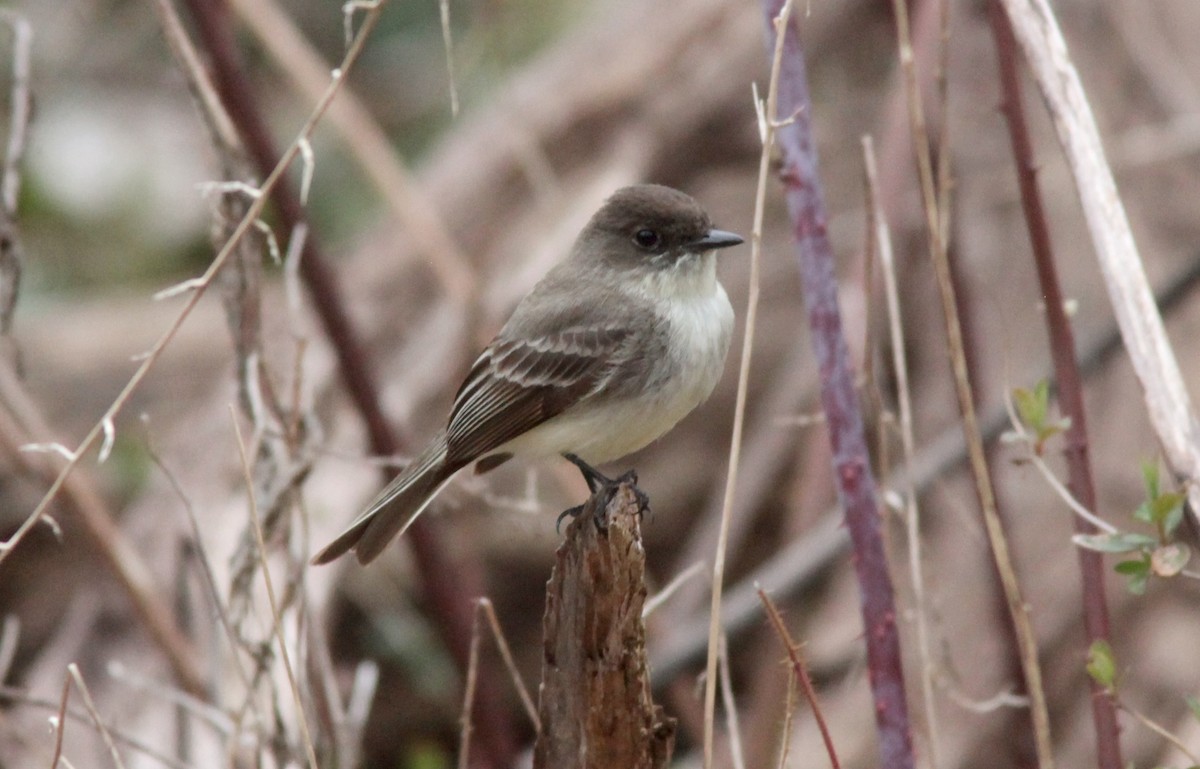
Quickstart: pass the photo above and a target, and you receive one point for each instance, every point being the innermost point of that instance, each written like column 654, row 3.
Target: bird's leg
column 597, row 482
column 594, row 478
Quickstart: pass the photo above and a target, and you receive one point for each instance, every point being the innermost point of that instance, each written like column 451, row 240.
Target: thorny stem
column 852, row 468
column 800, row 674
column 1066, row 374
column 912, row 517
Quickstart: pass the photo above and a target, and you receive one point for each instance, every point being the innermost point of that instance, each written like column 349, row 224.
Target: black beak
column 715, row 239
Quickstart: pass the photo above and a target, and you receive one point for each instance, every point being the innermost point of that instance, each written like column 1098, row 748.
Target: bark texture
column 594, row 704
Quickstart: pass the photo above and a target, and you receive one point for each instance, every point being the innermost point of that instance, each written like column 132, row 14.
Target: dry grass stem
column 664, row 595
column 485, row 606
column 1161, row 731
column 276, row 619
column 912, row 520
column 1167, row 401
column 464, row 736
column 789, row 713
column 55, row 707
column 18, row 421
column 730, row 706
column 367, row 142
column 59, row 722
column 766, row 113
column 201, row 555
column 19, row 111
column 10, row 633
column 254, row 210
column 1018, row 611
column 90, row 705
column 20, row 107
column 224, row 134
column 448, row 44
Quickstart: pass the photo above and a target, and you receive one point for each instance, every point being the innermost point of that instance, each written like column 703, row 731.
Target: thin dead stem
column 912, row 519
column 19, row 110
column 767, row 127
column 1051, row 479
column 254, row 210
column 210, row 579
column 1161, row 731
column 730, row 707
column 14, row 695
column 789, row 713
column 276, row 619
column 464, row 736
column 90, row 705
column 368, row 144
column 662, row 596
column 59, row 722
column 10, row 633
column 1167, row 401
column 448, row 44
column 485, row 605
column 800, row 671
column 1026, row 641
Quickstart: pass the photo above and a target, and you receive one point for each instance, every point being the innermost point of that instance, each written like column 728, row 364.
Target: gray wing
column 516, row 384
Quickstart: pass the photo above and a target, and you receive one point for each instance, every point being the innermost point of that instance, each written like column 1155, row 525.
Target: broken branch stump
column 594, row 701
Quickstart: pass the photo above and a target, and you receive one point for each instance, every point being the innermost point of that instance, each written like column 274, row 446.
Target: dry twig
column 1167, row 401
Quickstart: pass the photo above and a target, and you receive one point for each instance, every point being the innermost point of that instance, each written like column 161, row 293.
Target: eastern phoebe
column 609, row 350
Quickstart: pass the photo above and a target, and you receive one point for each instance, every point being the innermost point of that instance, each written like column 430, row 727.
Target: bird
column 609, row 350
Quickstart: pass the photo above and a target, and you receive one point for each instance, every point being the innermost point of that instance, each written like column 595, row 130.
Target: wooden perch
column 595, row 705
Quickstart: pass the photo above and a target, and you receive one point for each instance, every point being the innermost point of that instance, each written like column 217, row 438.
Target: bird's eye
column 647, row 239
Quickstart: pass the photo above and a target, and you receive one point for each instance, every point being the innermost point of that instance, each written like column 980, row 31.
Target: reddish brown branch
column 800, row 671
column 451, row 586
column 839, row 398
column 1066, row 374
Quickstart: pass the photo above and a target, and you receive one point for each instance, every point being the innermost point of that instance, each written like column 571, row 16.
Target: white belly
column 700, row 331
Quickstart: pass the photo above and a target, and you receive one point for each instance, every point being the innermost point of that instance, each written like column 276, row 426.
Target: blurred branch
column 21, row 422
column 766, row 111
column 936, row 233
column 912, row 514
column 1066, row 375
column 123, row 559
column 797, row 566
column 450, row 585
column 368, row 144
column 852, row 467
column 1167, row 401
column 19, row 105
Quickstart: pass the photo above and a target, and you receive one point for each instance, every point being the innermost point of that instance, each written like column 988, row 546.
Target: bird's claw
column 599, row 483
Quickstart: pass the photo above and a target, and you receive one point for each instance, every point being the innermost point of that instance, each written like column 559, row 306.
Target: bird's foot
column 595, row 479
column 598, row 483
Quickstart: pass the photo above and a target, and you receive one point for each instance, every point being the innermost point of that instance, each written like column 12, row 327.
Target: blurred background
column 431, row 244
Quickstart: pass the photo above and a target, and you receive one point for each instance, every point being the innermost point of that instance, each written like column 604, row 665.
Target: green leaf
column 1141, row 566
column 1031, row 406
column 1164, row 505
column 1173, row 519
column 1121, row 542
column 1150, row 478
column 1169, row 560
column 1137, row 582
column 1101, row 664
